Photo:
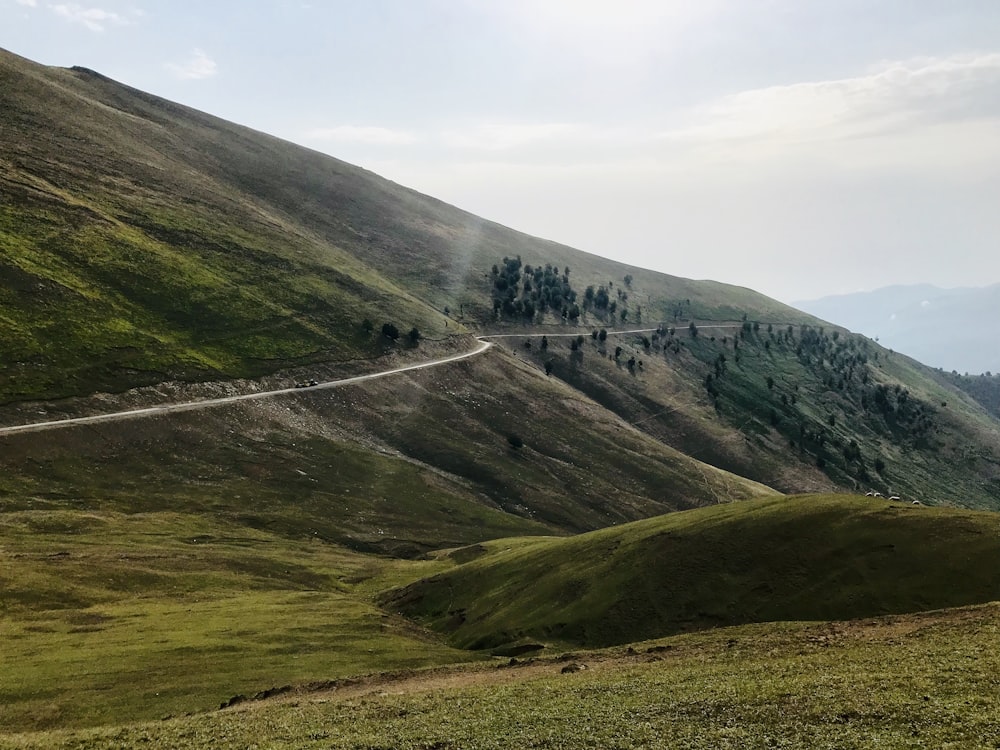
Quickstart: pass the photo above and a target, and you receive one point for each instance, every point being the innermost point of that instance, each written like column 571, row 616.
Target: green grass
column 985, row 389
column 801, row 558
column 130, row 263
column 108, row 616
column 299, row 486
column 161, row 566
column 923, row 681
column 157, row 614
column 143, row 242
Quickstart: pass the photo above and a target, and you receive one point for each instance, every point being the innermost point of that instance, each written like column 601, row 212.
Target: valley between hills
column 637, row 518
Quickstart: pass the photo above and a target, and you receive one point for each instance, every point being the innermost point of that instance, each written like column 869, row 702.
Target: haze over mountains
column 946, row 328
column 152, row 254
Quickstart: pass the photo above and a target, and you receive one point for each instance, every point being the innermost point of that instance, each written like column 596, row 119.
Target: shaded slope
column 399, row 465
column 985, row 389
column 803, row 558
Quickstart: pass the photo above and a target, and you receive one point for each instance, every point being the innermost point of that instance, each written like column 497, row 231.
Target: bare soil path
column 483, row 345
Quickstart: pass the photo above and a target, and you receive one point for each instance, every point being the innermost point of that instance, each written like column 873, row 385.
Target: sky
column 801, row 148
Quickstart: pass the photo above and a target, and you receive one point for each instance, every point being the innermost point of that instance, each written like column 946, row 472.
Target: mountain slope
column 150, row 253
column 800, row 409
column 146, row 243
column 802, row 558
column 985, row 389
column 129, row 259
column 141, row 241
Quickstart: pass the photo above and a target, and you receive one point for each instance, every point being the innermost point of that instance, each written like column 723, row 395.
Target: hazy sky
column 798, row 147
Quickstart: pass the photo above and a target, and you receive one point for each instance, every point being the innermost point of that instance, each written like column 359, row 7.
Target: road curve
column 206, row 403
column 483, row 345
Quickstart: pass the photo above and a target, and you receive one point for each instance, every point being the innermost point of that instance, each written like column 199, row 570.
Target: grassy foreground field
column 106, row 616
column 927, row 680
column 111, row 618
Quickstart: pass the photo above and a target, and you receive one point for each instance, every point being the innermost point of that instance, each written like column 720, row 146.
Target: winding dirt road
column 206, row 403
column 149, row 411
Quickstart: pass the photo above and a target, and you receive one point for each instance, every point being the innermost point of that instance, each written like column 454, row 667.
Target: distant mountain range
column 946, row 328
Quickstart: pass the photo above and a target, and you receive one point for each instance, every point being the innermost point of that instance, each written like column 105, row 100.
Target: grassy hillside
column 142, row 241
column 129, row 256
column 153, row 567
column 939, row 327
column 985, row 389
column 799, row 408
column 114, row 617
column 803, row 558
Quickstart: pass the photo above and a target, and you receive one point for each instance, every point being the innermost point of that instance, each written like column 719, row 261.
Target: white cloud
column 933, row 112
column 365, row 134
column 198, row 66
column 28, row 3
column 893, row 98
column 94, row 19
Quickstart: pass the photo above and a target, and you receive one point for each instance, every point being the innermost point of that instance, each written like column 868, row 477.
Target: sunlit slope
column 141, row 240
column 804, row 558
column 895, row 682
column 129, row 257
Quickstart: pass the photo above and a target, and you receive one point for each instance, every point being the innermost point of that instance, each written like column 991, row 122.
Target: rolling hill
column 799, row 558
